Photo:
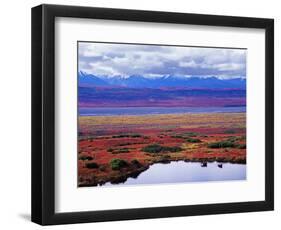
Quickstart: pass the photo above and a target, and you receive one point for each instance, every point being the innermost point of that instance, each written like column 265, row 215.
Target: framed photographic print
column 142, row 114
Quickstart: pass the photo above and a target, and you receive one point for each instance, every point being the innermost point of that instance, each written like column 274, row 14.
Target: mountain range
column 138, row 81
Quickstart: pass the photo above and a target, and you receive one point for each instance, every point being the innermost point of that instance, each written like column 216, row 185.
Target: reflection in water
column 181, row 171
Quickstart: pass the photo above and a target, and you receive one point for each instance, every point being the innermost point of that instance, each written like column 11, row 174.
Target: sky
column 117, row 59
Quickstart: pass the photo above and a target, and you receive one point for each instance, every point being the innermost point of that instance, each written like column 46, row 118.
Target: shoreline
column 135, row 172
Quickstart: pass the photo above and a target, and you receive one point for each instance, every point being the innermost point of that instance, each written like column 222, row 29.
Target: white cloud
column 151, row 61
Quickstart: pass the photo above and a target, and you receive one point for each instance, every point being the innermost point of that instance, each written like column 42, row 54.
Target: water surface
column 180, row 171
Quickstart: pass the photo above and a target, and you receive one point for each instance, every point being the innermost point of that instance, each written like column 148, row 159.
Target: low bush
column 117, row 164
column 135, row 162
column 120, row 136
column 135, row 135
column 222, row 144
column 193, row 140
column 155, row 148
column 92, row 165
column 123, row 150
column 86, row 158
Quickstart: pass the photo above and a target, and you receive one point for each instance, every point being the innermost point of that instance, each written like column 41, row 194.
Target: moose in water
column 204, row 164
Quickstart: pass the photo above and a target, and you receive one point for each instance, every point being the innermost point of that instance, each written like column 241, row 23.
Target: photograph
column 152, row 114
column 175, row 109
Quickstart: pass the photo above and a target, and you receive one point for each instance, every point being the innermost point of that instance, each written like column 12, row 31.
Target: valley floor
column 113, row 148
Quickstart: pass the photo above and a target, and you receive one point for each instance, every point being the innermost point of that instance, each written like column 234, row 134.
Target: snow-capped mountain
column 138, row 81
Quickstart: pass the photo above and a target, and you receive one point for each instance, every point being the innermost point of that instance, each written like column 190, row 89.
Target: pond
column 180, row 172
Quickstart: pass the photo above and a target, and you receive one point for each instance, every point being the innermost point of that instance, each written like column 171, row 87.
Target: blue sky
column 108, row 59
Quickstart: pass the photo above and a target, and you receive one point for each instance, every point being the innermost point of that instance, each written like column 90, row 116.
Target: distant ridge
column 138, row 81
column 90, row 79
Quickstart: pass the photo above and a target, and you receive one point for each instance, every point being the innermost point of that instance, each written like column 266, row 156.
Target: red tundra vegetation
column 113, row 148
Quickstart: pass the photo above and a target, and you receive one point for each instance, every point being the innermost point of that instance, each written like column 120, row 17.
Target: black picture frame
column 43, row 114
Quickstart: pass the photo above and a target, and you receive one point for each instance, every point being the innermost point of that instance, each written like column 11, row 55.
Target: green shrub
column 92, row 165
column 222, row 144
column 155, row 148
column 117, row 164
column 193, row 140
column 86, row 158
column 122, row 150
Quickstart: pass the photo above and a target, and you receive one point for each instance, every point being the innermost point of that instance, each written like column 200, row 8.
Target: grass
column 117, row 164
column 155, row 148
